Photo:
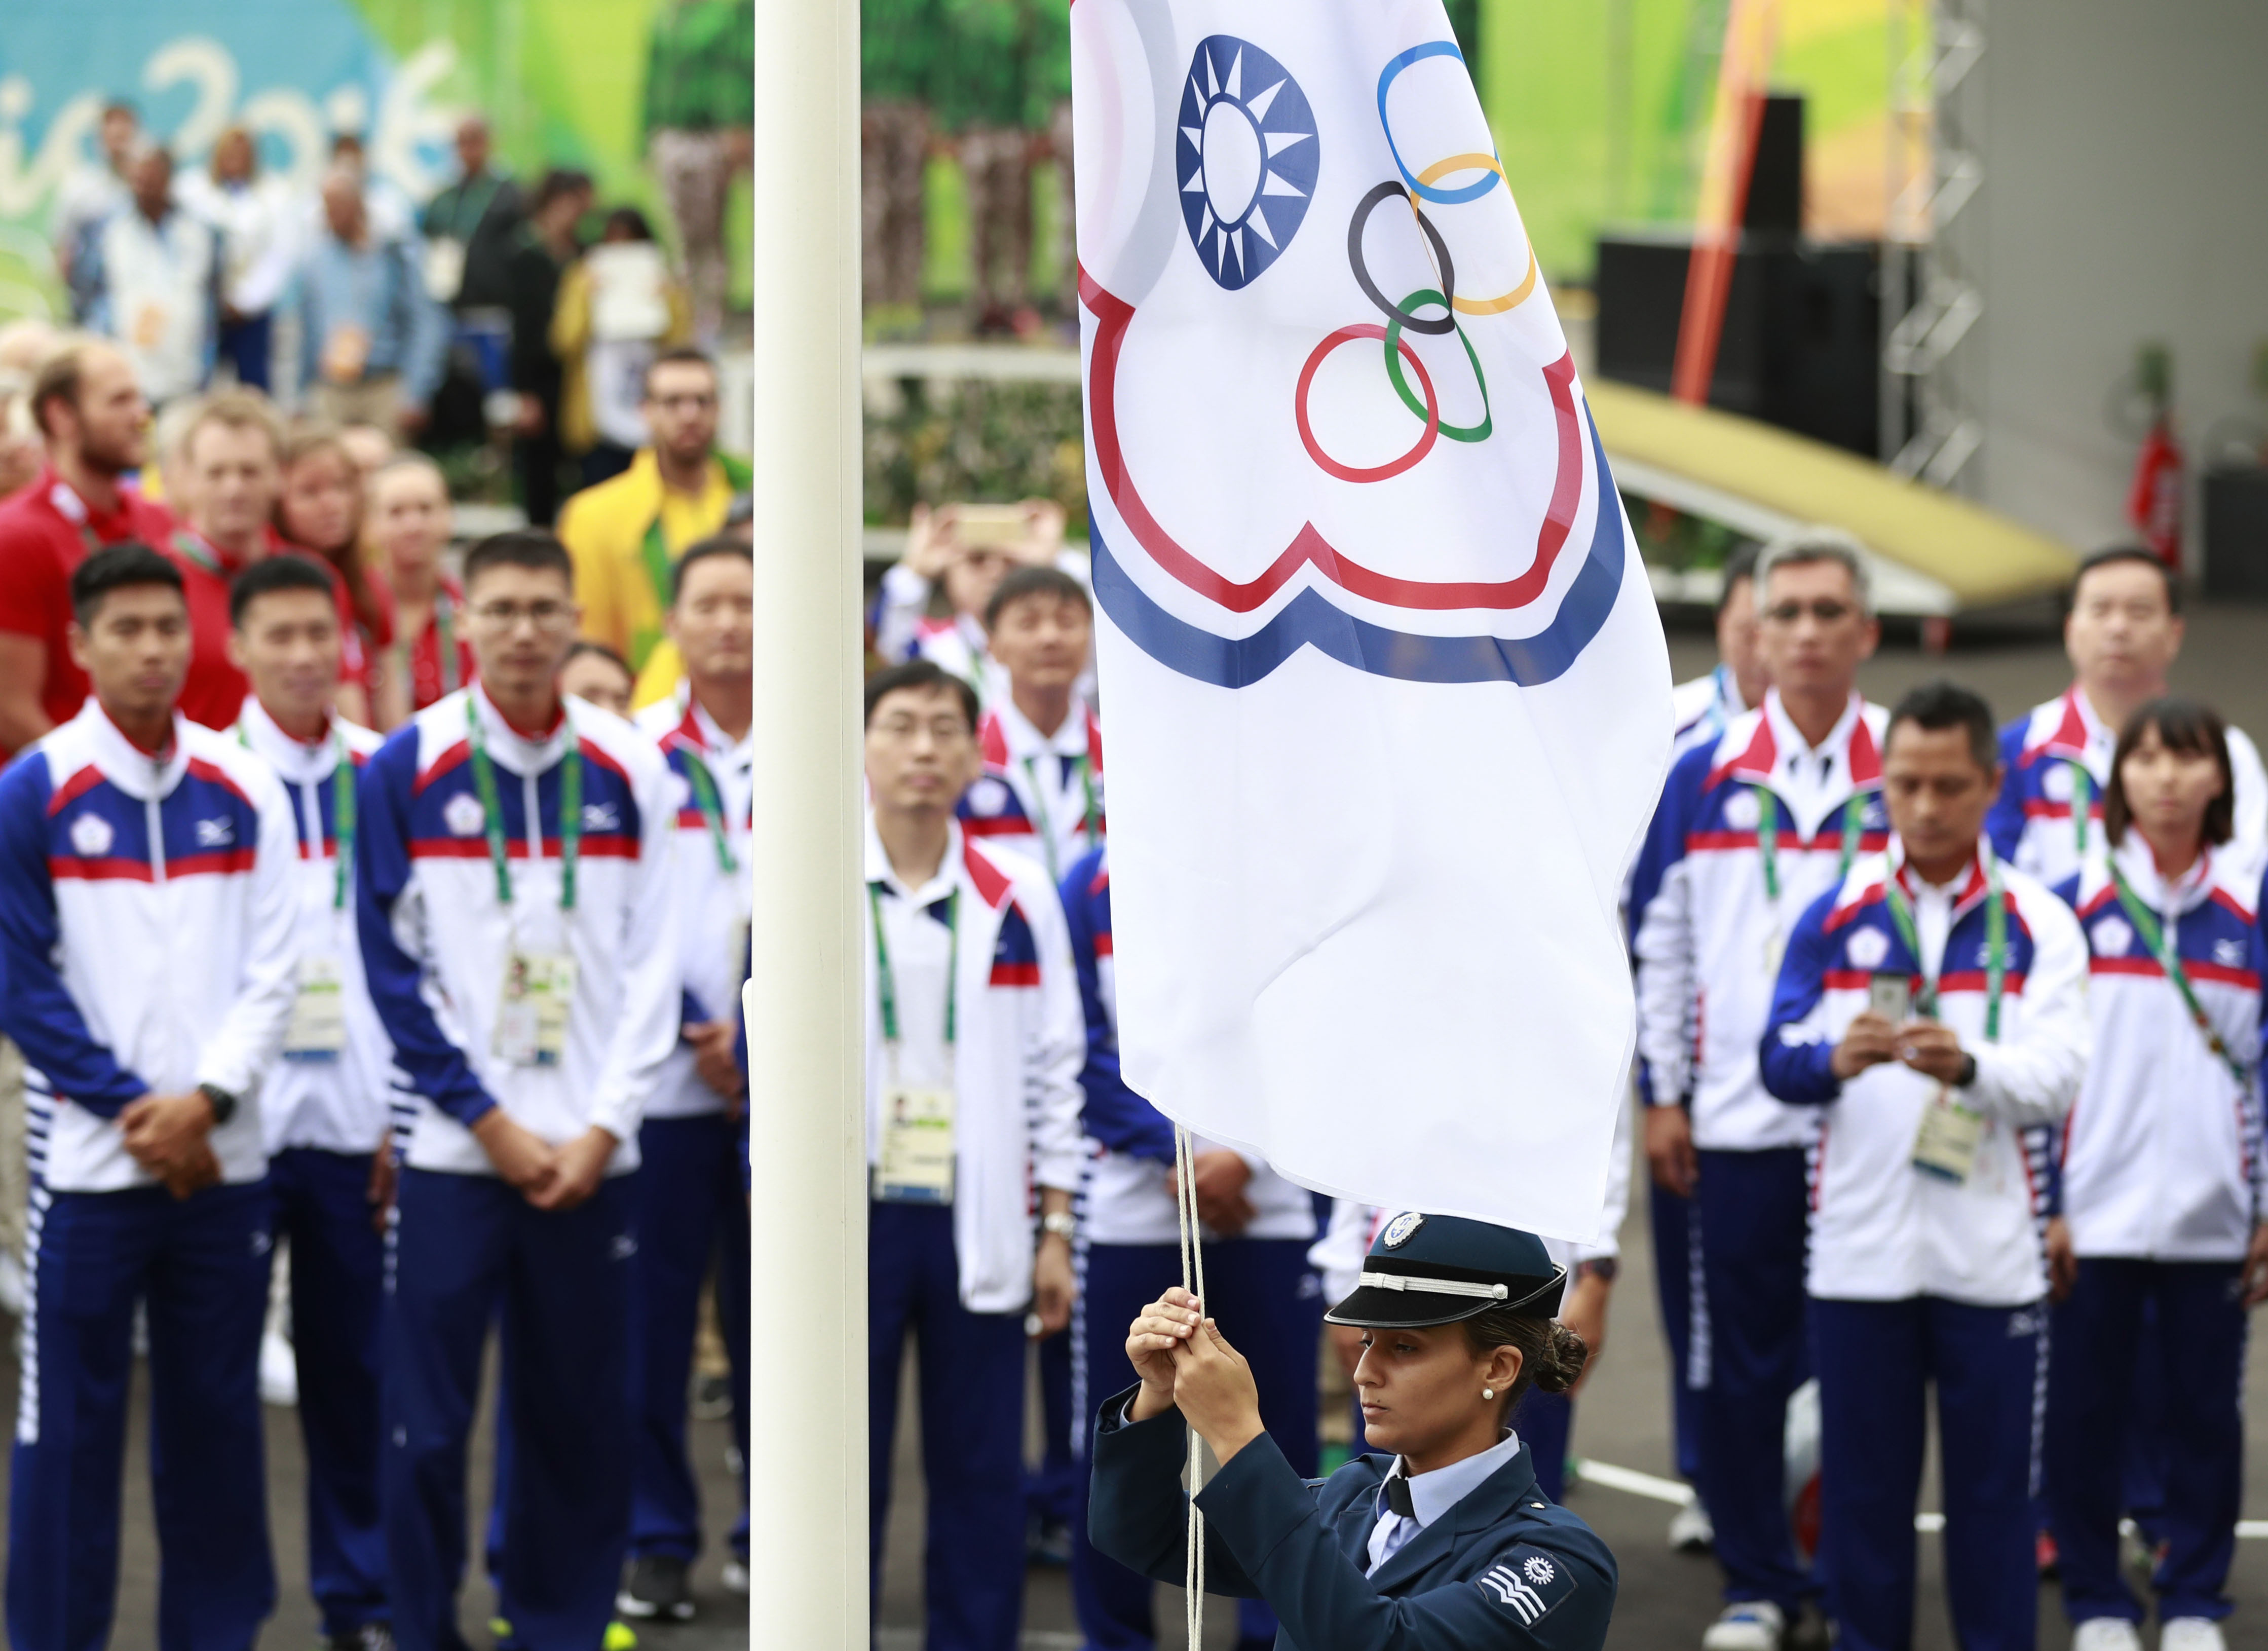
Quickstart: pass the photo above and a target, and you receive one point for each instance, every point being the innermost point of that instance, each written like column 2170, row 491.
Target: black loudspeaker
column 2236, row 532
column 1775, row 203
column 1801, row 345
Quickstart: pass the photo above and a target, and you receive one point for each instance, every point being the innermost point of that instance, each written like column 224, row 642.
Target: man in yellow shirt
column 625, row 535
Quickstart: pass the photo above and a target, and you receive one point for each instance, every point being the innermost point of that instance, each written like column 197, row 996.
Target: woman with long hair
column 320, row 511
column 409, row 526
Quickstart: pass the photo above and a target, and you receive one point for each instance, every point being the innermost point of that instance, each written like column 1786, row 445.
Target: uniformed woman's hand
column 1214, row 1388
column 1160, row 1328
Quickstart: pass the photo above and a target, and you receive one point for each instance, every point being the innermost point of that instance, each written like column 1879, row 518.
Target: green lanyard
column 1093, row 827
column 886, row 982
column 343, row 814
column 444, row 624
column 457, row 208
column 2082, row 803
column 1996, row 947
column 571, row 810
column 711, row 805
column 2161, row 942
column 1854, row 820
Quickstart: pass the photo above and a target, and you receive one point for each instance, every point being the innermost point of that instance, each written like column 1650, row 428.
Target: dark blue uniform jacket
column 1504, row 1570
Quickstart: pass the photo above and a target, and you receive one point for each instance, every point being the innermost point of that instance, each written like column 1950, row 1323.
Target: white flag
column 1386, row 696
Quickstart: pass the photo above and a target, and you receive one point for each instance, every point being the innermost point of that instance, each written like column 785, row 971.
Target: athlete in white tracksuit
column 147, row 900
column 1932, row 1015
column 2162, row 1183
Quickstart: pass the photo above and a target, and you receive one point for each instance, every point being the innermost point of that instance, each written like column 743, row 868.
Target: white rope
column 1193, row 1568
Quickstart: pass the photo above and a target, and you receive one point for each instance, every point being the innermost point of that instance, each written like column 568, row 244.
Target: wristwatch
column 1061, row 1223
column 223, row 1104
column 1599, row 1267
column 1967, row 1071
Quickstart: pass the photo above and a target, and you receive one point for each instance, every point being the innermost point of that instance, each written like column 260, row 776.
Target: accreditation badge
column 346, row 352
column 918, row 1158
column 318, row 1028
column 1946, row 1145
column 532, row 1010
column 445, row 269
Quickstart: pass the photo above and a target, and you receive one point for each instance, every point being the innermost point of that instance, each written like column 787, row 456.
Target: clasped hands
column 166, row 1135
column 1185, row 1361
column 548, row 1178
column 1932, row 1049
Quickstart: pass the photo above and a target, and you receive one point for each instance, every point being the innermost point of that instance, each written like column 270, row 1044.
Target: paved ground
column 722, row 1625
column 1622, row 1417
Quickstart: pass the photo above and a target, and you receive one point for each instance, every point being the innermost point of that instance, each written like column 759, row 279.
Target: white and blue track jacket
column 2161, row 1153
column 1705, row 935
column 1703, row 706
column 2032, row 826
column 340, row 1104
column 1014, row 1060
column 1130, row 1195
column 1032, row 799
column 712, row 892
column 436, row 940
column 146, row 944
column 1882, row 1230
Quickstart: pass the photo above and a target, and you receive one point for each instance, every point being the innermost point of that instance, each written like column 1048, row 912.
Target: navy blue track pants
column 2201, row 1324
column 469, row 1249
column 201, row 1265
column 1877, row 1361
column 338, row 1287
column 691, row 1210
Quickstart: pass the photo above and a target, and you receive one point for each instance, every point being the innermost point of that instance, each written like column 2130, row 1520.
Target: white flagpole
column 808, row 1135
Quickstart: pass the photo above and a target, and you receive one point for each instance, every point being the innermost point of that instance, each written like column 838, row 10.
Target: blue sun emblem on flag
column 1247, row 158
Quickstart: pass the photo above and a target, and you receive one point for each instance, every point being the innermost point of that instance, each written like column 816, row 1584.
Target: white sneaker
column 279, row 1372
column 2192, row 1633
column 736, row 1577
column 1691, row 1530
column 1753, row 1625
column 2106, row 1633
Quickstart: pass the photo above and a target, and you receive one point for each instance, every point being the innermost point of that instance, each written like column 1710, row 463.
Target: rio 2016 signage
column 293, row 71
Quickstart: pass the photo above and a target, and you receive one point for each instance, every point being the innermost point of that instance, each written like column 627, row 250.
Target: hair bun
column 1565, row 1355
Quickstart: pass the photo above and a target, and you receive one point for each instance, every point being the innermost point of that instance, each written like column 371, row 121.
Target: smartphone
column 988, row 524
column 1891, row 997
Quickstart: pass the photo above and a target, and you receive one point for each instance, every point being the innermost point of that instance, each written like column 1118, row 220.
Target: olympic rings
column 1394, row 346
column 1393, row 466
column 1421, row 184
column 1503, row 301
column 1448, row 323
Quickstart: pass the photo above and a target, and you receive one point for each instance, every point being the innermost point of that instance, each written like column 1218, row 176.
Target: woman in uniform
column 1445, row 1542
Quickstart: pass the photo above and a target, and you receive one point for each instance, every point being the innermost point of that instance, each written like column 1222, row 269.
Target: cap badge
column 1398, row 1230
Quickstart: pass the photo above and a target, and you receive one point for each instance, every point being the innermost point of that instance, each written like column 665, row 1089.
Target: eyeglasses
column 508, row 616
column 1826, row 610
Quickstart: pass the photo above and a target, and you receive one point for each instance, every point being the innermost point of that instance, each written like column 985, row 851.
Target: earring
column 1488, row 1393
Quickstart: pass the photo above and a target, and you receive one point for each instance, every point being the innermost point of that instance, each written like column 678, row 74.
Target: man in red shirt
column 230, row 458
column 91, row 414
column 231, row 476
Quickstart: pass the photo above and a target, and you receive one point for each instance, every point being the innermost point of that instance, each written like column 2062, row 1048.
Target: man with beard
column 91, row 414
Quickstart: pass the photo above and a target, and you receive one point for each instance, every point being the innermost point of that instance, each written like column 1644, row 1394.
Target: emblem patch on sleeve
column 1528, row 1583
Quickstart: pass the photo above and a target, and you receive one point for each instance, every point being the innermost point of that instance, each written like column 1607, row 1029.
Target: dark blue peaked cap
column 1439, row 1269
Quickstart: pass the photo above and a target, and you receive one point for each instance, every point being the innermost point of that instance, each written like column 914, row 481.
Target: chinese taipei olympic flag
column 1387, row 697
